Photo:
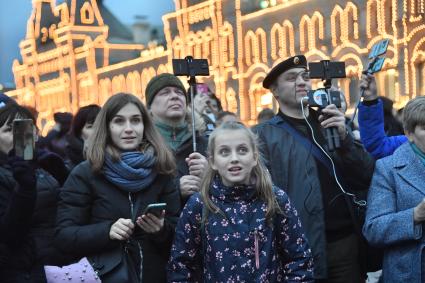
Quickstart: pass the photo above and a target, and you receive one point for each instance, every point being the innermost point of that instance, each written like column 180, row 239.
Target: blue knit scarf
column 132, row 173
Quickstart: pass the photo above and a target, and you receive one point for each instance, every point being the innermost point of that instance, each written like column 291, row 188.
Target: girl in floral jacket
column 239, row 228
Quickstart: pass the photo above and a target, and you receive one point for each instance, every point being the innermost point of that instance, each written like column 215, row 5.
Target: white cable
column 361, row 202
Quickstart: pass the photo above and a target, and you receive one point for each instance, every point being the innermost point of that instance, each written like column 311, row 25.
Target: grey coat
column 398, row 185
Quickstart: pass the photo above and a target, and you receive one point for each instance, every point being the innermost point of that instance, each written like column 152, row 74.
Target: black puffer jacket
column 27, row 220
column 90, row 204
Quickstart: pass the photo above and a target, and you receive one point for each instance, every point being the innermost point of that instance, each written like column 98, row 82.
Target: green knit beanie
column 159, row 82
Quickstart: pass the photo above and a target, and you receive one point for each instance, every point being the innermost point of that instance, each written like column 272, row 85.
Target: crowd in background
column 271, row 203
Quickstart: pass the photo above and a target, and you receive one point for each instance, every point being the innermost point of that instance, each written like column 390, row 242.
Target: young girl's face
column 234, row 157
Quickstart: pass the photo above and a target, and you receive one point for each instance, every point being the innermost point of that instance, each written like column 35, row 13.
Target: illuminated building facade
column 68, row 62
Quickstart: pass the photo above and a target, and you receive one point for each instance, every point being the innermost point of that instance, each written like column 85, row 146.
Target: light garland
column 236, row 48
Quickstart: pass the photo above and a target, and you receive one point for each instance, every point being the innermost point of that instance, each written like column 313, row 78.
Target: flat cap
column 298, row 61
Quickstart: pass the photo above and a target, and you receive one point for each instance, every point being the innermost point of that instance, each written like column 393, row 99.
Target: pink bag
column 81, row 271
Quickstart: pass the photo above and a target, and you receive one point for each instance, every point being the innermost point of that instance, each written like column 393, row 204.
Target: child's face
column 234, row 157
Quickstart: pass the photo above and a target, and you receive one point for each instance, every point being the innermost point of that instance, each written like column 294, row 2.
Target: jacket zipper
column 257, row 252
column 133, row 216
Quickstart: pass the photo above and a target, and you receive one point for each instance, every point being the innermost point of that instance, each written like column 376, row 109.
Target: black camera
column 325, row 70
column 319, row 98
column 190, row 67
column 322, row 97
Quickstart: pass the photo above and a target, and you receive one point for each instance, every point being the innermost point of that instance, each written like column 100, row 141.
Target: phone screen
column 155, row 208
column 202, row 88
column 24, row 138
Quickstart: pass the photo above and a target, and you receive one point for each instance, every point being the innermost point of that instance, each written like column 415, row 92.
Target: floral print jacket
column 241, row 247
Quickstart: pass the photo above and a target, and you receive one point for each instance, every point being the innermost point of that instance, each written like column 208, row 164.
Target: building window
column 420, row 79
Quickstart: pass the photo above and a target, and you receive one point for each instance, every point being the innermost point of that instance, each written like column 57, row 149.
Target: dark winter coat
column 243, row 246
column 90, row 204
column 27, row 223
column 182, row 153
column 293, row 167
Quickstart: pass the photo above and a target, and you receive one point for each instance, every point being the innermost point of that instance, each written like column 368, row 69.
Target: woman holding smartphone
column 100, row 215
column 28, row 202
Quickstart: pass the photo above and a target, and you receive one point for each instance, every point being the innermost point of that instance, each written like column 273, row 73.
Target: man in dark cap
column 166, row 99
column 306, row 173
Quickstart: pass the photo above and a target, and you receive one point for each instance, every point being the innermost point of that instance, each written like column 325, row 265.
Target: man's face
column 290, row 87
column 169, row 104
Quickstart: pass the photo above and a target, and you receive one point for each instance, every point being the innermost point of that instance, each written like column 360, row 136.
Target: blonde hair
column 263, row 181
column 100, row 140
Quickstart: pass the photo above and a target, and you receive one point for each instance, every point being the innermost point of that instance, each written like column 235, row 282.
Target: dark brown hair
column 100, row 141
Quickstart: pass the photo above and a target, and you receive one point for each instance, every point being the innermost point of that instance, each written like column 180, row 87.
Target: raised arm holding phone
column 28, row 199
column 371, row 122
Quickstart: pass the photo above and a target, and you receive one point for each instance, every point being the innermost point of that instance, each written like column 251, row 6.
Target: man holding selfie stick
column 166, row 99
column 318, row 181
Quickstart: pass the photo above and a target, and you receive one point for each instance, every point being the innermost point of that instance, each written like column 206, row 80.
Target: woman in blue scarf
column 100, row 215
column 396, row 202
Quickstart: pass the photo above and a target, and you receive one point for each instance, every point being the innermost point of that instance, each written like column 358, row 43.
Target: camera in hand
column 319, row 98
column 326, row 71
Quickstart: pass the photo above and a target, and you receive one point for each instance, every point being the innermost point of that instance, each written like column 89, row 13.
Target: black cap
column 298, row 61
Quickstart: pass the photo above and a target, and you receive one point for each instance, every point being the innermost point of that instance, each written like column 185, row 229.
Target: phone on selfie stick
column 191, row 68
column 24, row 138
column 155, row 209
column 376, row 62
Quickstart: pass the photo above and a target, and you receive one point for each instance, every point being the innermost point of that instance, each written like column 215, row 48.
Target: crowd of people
column 271, row 203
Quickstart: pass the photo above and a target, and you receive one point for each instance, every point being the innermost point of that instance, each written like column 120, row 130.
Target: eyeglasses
column 292, row 77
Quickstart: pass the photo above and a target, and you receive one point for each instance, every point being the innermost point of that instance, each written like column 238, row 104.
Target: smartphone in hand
column 155, row 209
column 24, row 138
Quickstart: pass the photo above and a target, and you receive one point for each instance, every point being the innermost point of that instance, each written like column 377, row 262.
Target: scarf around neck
column 133, row 172
column 419, row 153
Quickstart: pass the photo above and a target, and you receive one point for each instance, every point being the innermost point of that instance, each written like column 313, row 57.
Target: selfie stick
column 192, row 84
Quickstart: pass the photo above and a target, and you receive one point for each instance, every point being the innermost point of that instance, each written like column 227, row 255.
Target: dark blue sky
column 14, row 15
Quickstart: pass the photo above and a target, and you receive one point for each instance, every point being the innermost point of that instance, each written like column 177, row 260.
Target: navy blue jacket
column 372, row 133
column 243, row 246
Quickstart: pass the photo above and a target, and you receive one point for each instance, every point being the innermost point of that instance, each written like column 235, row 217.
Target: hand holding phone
column 152, row 220
column 155, row 209
column 24, row 138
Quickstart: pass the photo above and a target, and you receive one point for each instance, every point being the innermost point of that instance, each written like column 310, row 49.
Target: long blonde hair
column 263, row 181
column 100, row 140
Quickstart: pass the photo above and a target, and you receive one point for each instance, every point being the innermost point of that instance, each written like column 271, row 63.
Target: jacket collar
column 409, row 167
column 3, row 158
column 231, row 194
